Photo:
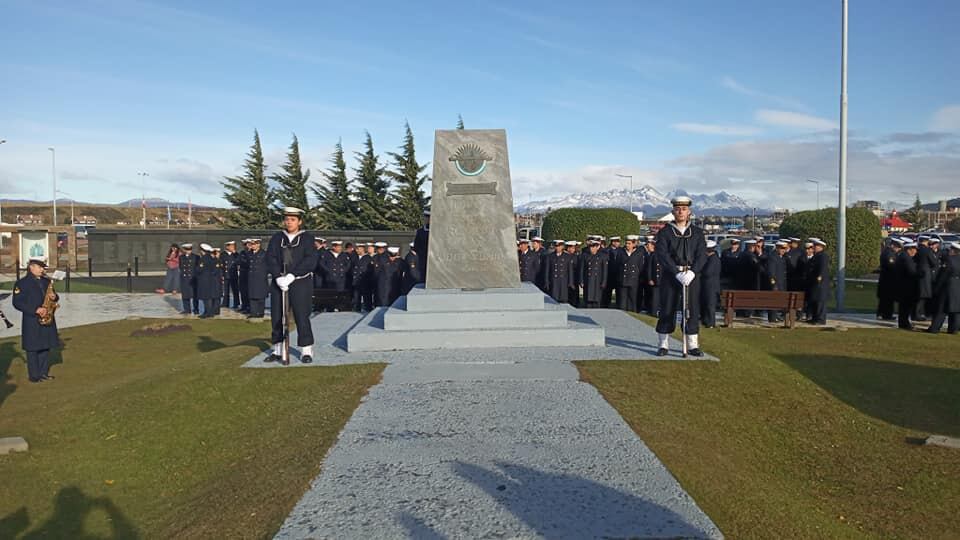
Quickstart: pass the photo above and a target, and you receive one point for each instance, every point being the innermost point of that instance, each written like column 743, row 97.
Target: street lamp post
column 53, row 173
column 72, row 220
column 631, row 188
column 818, row 191
column 842, row 184
column 143, row 197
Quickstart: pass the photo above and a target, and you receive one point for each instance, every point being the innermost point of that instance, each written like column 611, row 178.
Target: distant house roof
column 894, row 222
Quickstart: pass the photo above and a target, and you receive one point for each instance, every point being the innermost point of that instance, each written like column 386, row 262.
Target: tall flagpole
column 842, row 214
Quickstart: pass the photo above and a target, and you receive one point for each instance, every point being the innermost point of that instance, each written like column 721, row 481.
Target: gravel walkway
column 492, row 443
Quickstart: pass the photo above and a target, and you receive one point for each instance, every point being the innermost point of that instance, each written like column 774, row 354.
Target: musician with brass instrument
column 34, row 296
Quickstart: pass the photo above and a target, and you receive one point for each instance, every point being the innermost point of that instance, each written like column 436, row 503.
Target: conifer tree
column 460, row 122
column 250, row 194
column 409, row 198
column 336, row 209
column 373, row 195
column 292, row 183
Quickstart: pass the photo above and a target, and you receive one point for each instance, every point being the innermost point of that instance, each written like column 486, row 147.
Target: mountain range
column 646, row 199
column 131, row 203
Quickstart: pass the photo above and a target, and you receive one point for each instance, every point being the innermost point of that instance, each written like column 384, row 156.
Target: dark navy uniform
column 907, row 287
column 795, row 258
column 243, row 278
column 188, row 283
column 574, row 294
column 389, row 279
column 775, row 279
column 886, row 284
column 677, row 251
column 947, row 295
column 630, row 279
column 363, row 283
column 413, row 274
column 296, row 256
column 927, row 265
column 207, row 275
column 257, row 282
column 710, row 290
column 421, row 242
column 558, row 276
column 529, row 263
column 651, row 290
column 614, row 271
column 338, row 269
column 593, row 276
column 818, row 287
column 729, row 258
column 36, row 339
column 231, row 279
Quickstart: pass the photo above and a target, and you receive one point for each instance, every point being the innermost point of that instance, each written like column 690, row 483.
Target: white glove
column 689, row 276
column 284, row 281
column 681, row 276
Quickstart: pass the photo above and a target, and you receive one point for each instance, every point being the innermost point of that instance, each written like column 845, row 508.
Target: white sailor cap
column 571, row 243
column 380, row 244
column 818, row 242
column 909, row 245
column 393, row 250
column 711, row 244
column 188, row 245
column 612, row 238
column 558, row 242
column 955, row 245
column 522, row 241
column 923, row 237
column 426, row 212
column 633, row 237
column 41, row 260
column 734, row 240
column 681, row 200
column 593, row 243
column 292, row 211
column 336, row 243
column 758, row 238
column 579, row 243
column 750, row 241
column 245, row 241
column 230, row 243
column 537, row 239
column 900, row 241
column 934, row 240
column 206, row 247
column 782, row 243
column 216, row 250
column 794, row 239
column 370, row 244
column 255, row 240
column 651, row 238
column 320, row 240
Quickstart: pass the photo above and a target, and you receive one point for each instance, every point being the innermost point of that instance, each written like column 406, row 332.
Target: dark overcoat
column 558, row 276
column 818, row 277
column 927, row 266
column 631, row 269
column 257, row 286
column 337, row 271
column 421, row 242
column 188, row 275
column 207, row 275
column 775, row 273
column 594, row 269
column 413, row 275
column 389, row 279
column 28, row 295
column 948, row 283
column 529, row 263
column 907, row 278
column 887, row 282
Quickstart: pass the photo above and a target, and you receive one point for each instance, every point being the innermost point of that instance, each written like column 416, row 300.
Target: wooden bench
column 787, row 301
column 330, row 299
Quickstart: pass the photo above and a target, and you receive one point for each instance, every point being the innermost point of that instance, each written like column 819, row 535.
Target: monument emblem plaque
column 472, row 235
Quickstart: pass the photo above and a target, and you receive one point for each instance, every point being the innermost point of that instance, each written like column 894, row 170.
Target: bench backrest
column 784, row 300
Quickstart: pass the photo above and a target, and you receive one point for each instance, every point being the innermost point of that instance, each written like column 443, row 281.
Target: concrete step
column 528, row 296
column 397, row 319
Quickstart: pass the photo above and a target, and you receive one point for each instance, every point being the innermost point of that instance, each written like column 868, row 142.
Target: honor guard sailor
column 291, row 260
column 188, row 280
column 30, row 294
column 681, row 252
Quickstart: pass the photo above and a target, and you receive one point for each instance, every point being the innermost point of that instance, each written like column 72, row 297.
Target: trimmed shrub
column 577, row 223
column 863, row 236
column 953, row 225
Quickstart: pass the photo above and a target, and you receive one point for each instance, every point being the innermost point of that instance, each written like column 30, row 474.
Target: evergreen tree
column 292, row 183
column 410, row 200
column 336, row 209
column 914, row 215
column 250, row 194
column 460, row 122
column 373, row 196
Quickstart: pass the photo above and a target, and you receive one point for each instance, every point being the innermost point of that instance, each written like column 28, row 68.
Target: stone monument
column 473, row 241
column 473, row 296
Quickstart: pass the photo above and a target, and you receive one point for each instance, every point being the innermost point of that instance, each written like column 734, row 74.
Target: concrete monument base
column 463, row 319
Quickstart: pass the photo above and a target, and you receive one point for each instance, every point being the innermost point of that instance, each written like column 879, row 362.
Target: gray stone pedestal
column 461, row 318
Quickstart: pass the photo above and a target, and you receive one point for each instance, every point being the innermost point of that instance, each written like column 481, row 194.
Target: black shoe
column 662, row 352
column 930, row 331
column 273, row 358
column 695, row 352
column 306, row 359
column 184, row 312
column 48, row 377
column 36, row 380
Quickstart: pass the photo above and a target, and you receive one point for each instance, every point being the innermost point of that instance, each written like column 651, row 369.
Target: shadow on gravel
column 916, row 397
column 416, row 528
column 564, row 505
column 648, row 348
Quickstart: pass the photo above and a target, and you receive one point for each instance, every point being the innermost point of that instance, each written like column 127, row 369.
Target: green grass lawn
column 165, row 436
column 76, row 286
column 805, row 433
column 860, row 297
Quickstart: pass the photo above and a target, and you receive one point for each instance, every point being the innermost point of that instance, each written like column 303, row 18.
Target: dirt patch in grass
column 166, row 437
column 160, row 329
column 804, row 434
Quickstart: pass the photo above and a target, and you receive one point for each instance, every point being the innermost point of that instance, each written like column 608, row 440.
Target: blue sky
column 701, row 95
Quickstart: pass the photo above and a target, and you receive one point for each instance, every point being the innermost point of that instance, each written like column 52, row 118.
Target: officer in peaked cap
column 818, row 282
column 206, row 276
column 775, row 274
column 630, row 264
column 189, row 261
column 593, row 274
column 231, row 281
column 614, row 255
column 651, row 276
column 29, row 295
column 258, row 284
column 947, row 291
column 291, row 261
column 413, row 275
column 528, row 262
column 573, row 295
column 389, row 277
column 907, row 277
column 558, row 273
column 681, row 251
column 887, row 280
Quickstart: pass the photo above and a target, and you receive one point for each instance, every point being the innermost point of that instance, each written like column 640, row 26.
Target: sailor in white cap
column 231, row 279
column 573, row 293
column 291, row 260
column 887, row 280
column 614, row 253
column 189, row 261
column 594, row 271
column 413, row 273
column 207, row 275
column 818, row 283
column 775, row 265
column 421, row 243
column 710, row 286
column 528, row 262
column 907, row 278
column 947, row 297
column 681, row 251
column 30, row 293
column 389, row 277
column 650, row 301
column 630, row 267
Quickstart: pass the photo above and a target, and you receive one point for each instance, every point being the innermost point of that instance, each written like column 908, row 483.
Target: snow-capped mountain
column 645, row 199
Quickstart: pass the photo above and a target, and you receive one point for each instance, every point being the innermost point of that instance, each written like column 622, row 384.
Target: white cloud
column 946, row 119
column 730, row 83
column 794, row 120
column 716, row 129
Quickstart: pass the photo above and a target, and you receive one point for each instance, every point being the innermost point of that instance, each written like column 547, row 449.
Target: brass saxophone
column 50, row 305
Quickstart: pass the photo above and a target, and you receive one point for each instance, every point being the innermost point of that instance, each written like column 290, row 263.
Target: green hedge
column 863, row 236
column 577, row 223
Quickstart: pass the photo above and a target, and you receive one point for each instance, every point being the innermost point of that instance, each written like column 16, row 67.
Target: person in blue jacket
column 29, row 293
column 291, row 261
